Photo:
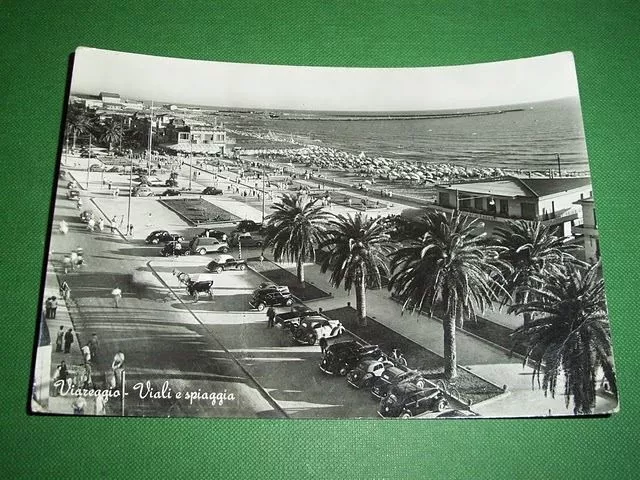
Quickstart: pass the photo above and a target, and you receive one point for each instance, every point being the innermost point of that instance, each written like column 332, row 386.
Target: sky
column 276, row 87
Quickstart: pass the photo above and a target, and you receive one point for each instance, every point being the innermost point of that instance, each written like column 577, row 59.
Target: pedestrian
column 113, row 224
column 65, row 291
column 131, row 229
column 60, row 339
column 86, row 353
column 117, row 295
column 118, row 361
column 101, row 400
column 79, row 203
column 117, row 192
column 79, row 405
column 54, row 306
column 47, row 307
column 261, row 258
column 68, row 340
column 109, row 184
column 66, row 264
column 93, row 347
column 101, row 224
column 271, row 315
column 323, row 345
column 91, row 224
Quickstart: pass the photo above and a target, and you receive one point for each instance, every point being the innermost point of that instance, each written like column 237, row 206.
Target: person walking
column 113, row 224
column 66, row 264
column 117, row 367
column 117, row 295
column 101, row 224
column 323, row 345
column 131, row 229
column 74, row 260
column 47, row 307
column 93, row 347
column 91, row 224
column 86, row 353
column 65, row 291
column 62, row 374
column 60, row 339
column 109, row 184
column 79, row 405
column 271, row 315
column 68, row 340
column 54, row 306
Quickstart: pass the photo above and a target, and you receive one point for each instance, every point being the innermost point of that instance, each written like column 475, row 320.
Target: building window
column 528, row 211
column 504, row 207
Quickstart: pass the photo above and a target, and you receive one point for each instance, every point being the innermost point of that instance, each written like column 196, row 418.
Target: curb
column 262, row 390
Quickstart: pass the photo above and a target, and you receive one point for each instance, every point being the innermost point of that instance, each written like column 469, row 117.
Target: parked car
column 202, row 245
column 86, row 215
column 344, row 356
column 248, row 226
column 226, row 262
column 291, row 320
column 271, row 296
column 199, row 284
column 115, row 169
column 162, row 236
column 62, row 174
column 366, row 373
column 96, row 167
column 212, row 191
column 209, row 233
column 394, row 375
column 143, row 191
column 458, row 414
column 73, row 194
column 152, row 182
column 175, row 248
column 171, row 193
column 246, row 239
column 407, row 400
column 72, row 184
column 311, row 329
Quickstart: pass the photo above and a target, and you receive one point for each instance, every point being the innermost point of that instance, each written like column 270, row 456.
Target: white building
column 551, row 201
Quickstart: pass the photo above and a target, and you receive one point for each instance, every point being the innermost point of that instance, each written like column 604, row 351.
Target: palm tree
column 451, row 269
column 295, row 229
column 111, row 133
column 78, row 122
column 533, row 252
column 358, row 248
column 570, row 335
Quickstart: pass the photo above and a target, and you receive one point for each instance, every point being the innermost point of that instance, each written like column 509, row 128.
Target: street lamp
column 190, row 159
column 263, row 199
column 89, row 161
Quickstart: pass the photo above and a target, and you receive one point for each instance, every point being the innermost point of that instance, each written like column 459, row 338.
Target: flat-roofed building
column 548, row 200
column 588, row 230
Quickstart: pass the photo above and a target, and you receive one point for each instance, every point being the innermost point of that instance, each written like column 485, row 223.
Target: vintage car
column 211, row 191
column 291, row 320
column 199, row 284
column 143, row 191
column 271, row 296
column 72, row 184
column 313, row 328
column 204, row 245
column 248, row 226
column 397, row 374
column 170, row 192
column 226, row 262
column 73, row 194
column 175, row 248
column 367, row 372
column 96, row 167
column 341, row 357
column 246, row 239
column 408, row 400
column 217, row 234
column 162, row 236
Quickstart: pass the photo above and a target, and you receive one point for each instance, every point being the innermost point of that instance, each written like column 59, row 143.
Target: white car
column 312, row 328
column 143, row 191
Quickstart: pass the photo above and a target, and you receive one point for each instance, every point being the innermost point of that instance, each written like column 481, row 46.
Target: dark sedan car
column 271, row 296
column 171, row 192
column 175, row 248
column 226, row 262
column 407, row 400
column 395, row 375
column 291, row 320
column 211, row 191
column 217, row 234
column 163, row 236
column 344, row 356
column 248, row 226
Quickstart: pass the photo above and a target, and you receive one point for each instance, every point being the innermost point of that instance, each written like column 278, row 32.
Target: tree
column 451, row 269
column 358, row 248
column 111, row 132
column 295, row 229
column 570, row 334
column 78, row 121
column 533, row 252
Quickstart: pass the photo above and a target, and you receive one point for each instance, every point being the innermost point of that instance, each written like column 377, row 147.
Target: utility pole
column 558, row 159
column 263, row 200
column 130, row 188
column 88, row 161
column 150, row 139
column 190, row 159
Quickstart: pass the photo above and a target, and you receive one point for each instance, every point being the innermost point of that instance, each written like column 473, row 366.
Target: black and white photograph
column 268, row 241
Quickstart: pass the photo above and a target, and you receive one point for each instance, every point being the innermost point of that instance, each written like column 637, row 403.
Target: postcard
column 268, row 241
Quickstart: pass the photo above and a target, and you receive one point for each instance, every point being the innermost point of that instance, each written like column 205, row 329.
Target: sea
column 530, row 138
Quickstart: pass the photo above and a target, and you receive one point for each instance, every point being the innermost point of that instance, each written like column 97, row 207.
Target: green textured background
column 37, row 37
